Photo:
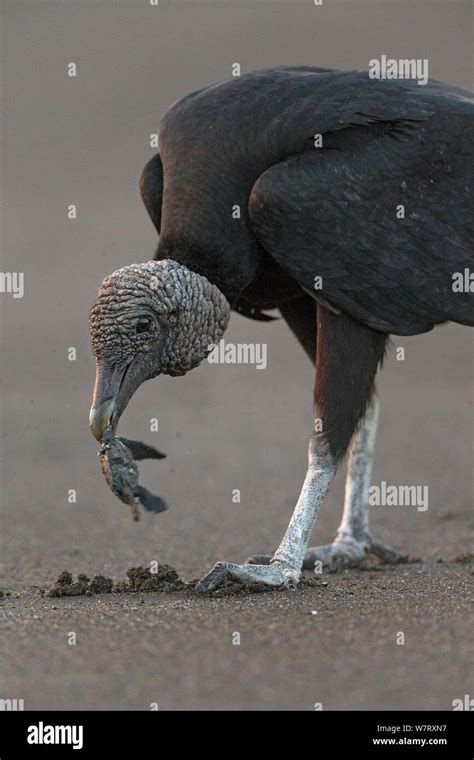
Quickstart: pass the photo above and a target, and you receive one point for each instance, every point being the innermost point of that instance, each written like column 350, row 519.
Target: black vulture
column 342, row 201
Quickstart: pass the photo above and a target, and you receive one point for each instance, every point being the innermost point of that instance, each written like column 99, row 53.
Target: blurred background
column 84, row 141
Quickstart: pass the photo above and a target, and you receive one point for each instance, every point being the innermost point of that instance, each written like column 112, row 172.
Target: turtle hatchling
column 118, row 462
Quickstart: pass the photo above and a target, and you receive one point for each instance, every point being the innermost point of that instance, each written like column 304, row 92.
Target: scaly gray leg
column 354, row 540
column 284, row 568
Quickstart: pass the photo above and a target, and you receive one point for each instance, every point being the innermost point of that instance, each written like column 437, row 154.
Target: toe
column 213, row 578
column 317, row 554
column 259, row 559
column 290, row 584
column 335, row 556
column 275, row 574
column 387, row 555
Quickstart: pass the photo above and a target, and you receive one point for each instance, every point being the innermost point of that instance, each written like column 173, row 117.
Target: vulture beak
column 108, row 402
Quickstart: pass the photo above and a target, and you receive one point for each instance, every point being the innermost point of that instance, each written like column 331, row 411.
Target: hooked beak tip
column 100, row 418
column 111, row 395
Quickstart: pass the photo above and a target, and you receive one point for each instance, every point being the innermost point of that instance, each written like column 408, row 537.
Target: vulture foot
column 276, row 574
column 342, row 554
column 350, row 552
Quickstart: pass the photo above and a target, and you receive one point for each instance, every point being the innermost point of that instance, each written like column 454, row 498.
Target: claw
column 213, row 578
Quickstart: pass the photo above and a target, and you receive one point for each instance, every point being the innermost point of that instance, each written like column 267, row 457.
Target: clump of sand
column 165, row 580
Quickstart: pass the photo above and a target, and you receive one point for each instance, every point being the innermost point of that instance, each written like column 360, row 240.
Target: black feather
column 327, row 211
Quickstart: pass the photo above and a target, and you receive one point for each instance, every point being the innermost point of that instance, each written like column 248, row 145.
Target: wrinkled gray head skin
column 149, row 319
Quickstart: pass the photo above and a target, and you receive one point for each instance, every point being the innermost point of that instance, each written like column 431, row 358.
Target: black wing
column 151, row 189
column 335, row 213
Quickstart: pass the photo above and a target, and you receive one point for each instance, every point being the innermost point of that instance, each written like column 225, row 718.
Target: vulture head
column 149, row 319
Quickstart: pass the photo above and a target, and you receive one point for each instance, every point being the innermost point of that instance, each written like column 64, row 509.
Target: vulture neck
column 223, row 265
column 209, row 232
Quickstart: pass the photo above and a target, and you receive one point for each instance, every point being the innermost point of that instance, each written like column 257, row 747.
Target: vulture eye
column 143, row 325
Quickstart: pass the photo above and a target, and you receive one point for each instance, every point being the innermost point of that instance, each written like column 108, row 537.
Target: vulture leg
column 353, row 537
column 285, row 566
column 354, row 540
column 300, row 316
column 349, row 547
column 347, row 357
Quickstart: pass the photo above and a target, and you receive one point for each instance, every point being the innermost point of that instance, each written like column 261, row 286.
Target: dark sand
column 177, row 649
